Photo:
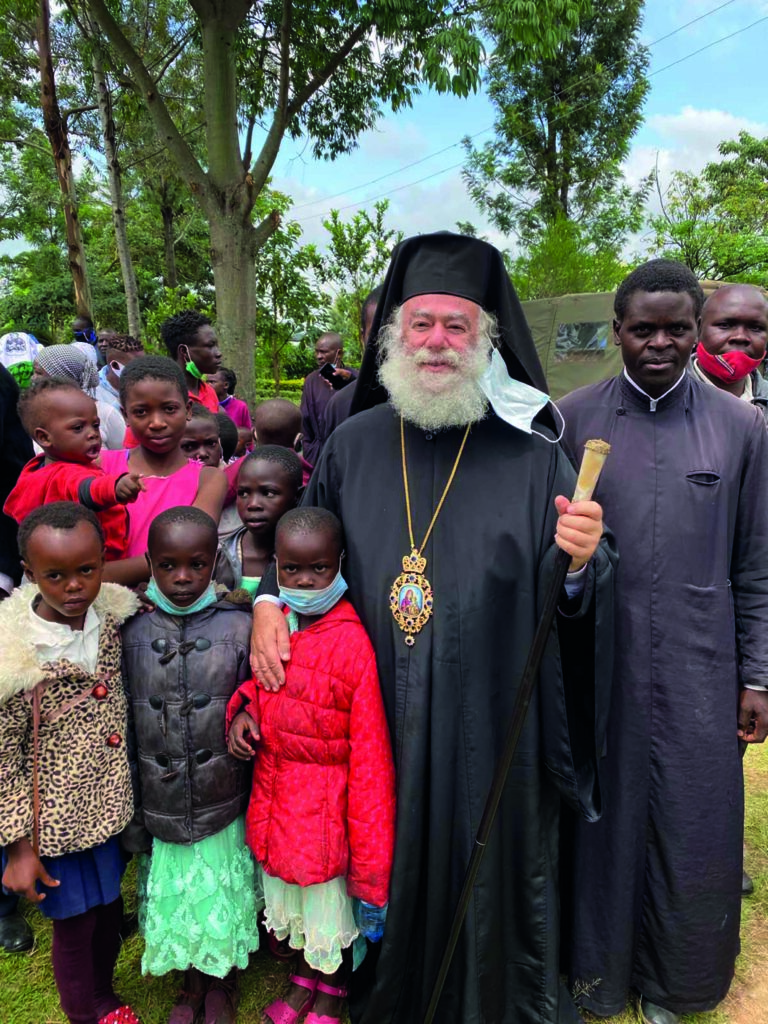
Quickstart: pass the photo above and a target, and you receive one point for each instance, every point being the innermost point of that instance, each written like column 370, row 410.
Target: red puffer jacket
column 323, row 797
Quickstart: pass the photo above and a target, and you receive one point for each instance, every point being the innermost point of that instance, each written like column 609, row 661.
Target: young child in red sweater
column 321, row 816
column 64, row 422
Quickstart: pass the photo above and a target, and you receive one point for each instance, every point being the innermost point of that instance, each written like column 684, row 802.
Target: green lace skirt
column 198, row 905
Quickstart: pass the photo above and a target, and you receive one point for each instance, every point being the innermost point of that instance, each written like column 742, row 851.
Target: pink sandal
column 317, row 1018
column 280, row 1012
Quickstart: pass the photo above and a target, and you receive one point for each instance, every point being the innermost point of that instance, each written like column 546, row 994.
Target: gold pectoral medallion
column 411, row 597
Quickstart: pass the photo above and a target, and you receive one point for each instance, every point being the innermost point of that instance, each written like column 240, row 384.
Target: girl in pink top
column 153, row 393
column 224, row 382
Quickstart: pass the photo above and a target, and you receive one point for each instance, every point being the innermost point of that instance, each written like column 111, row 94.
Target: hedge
column 290, row 389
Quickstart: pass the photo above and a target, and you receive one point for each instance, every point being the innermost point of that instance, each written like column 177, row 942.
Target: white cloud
column 686, row 141
column 397, row 140
column 434, row 205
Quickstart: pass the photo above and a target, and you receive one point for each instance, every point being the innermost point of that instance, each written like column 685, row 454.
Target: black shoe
column 15, row 934
column 747, row 885
column 654, row 1014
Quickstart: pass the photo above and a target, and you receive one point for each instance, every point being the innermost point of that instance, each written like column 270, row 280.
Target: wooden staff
column 595, row 453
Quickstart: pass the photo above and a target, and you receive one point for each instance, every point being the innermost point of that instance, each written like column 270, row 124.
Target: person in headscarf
column 450, row 353
column 17, row 354
column 69, row 363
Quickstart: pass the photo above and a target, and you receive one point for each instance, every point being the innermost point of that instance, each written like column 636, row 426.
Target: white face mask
column 513, row 401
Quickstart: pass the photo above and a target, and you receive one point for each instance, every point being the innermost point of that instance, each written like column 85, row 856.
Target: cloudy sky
column 414, row 159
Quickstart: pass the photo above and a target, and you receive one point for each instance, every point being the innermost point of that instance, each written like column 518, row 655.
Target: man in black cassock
column 340, row 405
column 657, row 882
column 449, row 696
column 318, row 392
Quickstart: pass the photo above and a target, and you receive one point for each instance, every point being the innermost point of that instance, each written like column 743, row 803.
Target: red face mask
column 728, row 366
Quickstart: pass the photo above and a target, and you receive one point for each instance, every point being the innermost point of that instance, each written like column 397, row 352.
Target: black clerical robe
column 657, row 882
column 449, row 700
column 315, row 396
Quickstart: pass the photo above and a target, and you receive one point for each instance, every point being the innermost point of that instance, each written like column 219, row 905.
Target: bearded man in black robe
column 450, row 692
column 657, row 882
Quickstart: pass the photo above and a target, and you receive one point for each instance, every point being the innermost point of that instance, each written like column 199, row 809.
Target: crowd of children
column 131, row 725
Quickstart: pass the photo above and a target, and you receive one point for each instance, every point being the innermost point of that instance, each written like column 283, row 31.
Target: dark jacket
column 180, row 672
column 760, row 393
column 15, row 451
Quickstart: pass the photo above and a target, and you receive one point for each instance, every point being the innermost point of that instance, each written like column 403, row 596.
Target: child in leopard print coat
column 65, row 789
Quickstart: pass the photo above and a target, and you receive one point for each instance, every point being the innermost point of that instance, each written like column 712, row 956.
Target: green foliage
column 358, row 254
column 564, row 260
column 717, row 222
column 564, row 122
column 290, row 310
column 171, row 302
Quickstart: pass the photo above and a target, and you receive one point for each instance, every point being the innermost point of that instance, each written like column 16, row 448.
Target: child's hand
column 243, row 734
column 129, row 487
column 23, row 870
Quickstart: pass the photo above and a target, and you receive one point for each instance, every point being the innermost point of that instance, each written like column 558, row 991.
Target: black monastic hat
column 448, row 264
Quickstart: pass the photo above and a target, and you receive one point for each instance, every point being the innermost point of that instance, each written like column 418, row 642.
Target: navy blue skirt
column 89, row 878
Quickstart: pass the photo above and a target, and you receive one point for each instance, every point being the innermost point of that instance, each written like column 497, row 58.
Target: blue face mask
column 158, row 598
column 314, row 602
column 513, row 401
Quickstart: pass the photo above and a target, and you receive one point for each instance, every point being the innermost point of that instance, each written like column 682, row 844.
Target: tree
column 564, row 260
column 716, row 222
column 564, row 123
column 296, row 68
column 289, row 304
column 32, row 114
column 358, row 254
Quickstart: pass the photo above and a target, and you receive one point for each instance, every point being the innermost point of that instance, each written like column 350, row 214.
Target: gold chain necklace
column 411, row 599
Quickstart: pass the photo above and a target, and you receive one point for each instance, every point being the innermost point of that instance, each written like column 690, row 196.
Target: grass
column 28, row 994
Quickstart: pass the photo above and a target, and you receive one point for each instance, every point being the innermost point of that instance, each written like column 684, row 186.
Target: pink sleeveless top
column 162, row 492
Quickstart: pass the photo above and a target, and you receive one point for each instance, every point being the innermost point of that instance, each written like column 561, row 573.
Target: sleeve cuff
column 755, row 686
column 270, row 598
column 574, row 582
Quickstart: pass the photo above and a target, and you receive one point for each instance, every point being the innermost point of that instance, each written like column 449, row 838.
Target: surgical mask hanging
column 192, row 369
column 516, row 403
column 314, row 602
column 158, row 598
column 116, row 368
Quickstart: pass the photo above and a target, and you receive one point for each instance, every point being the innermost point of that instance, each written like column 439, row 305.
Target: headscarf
column 17, row 354
column 447, row 264
column 87, row 350
column 69, row 362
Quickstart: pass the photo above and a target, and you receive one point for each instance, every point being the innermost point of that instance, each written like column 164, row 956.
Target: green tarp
column 574, row 338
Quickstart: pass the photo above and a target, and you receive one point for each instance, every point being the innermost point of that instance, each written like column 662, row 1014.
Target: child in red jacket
column 321, row 816
column 63, row 421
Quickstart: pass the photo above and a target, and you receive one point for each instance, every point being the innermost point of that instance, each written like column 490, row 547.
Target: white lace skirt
column 316, row 919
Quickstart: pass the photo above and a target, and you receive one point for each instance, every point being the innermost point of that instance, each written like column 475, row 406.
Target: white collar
column 654, row 401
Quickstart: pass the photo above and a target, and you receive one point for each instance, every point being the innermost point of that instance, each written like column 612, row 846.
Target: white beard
column 433, row 401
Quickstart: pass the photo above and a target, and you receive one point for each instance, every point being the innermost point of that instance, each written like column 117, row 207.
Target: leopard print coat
column 85, row 784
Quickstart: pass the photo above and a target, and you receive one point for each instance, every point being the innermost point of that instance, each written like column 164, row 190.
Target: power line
column 484, row 131
column 453, row 167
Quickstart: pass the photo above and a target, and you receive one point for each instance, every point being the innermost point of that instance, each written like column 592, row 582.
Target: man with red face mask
column 733, row 332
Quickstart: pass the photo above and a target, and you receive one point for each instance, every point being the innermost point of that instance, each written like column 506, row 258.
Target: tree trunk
column 232, row 259
column 56, row 130
column 170, row 279
column 116, row 196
